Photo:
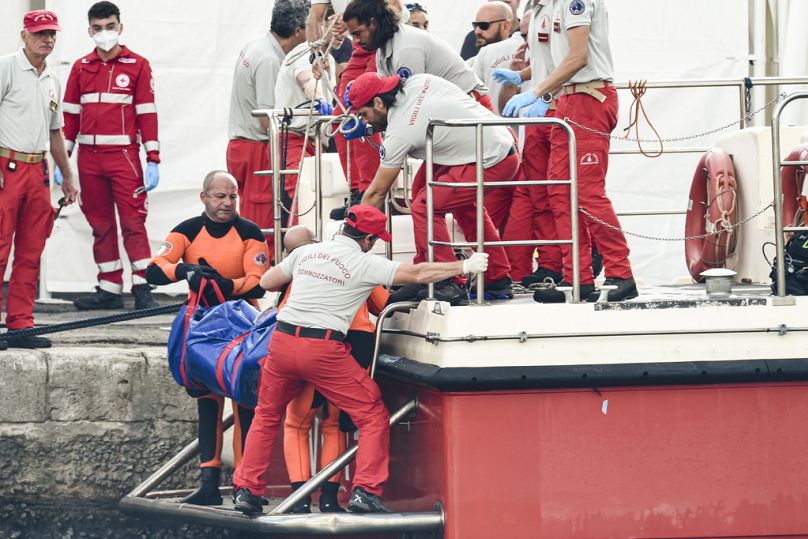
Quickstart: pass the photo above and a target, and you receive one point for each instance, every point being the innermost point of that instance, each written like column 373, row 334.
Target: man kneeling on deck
column 403, row 109
column 331, row 281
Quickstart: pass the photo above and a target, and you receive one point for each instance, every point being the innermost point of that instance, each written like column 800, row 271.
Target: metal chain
column 676, row 139
column 726, row 228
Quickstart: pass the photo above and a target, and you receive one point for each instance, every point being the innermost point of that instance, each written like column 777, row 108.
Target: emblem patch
column 589, row 158
column 260, row 259
column 404, row 73
column 165, row 248
column 577, row 7
column 382, row 152
column 122, row 80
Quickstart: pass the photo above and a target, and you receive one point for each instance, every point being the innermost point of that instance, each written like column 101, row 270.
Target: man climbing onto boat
column 584, row 73
column 403, row 109
column 332, row 280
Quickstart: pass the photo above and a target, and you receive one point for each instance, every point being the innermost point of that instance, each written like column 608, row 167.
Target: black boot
column 328, row 498
column 339, row 214
column 143, row 297
column 100, row 300
column 30, row 342
column 208, row 491
column 304, row 505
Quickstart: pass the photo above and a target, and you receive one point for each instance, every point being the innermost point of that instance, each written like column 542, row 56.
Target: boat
column 677, row 414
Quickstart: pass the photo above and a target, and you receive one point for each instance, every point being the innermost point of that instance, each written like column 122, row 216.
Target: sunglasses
column 415, row 7
column 485, row 25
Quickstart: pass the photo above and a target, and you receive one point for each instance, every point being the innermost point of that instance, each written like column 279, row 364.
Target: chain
column 725, row 227
column 676, row 139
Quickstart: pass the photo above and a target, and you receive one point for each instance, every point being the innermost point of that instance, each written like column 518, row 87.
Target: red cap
column 41, row 19
column 369, row 220
column 369, row 85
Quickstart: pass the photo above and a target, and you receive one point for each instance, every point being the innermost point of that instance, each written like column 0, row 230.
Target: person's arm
column 380, row 186
column 315, row 24
column 576, row 59
column 256, row 254
column 274, row 279
column 165, row 267
column 432, row 272
column 308, row 84
column 59, row 153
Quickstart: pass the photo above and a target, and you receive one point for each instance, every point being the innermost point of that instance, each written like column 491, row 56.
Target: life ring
column 711, row 208
column 793, row 178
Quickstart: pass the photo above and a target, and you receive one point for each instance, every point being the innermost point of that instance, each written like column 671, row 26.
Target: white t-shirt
column 572, row 13
column 427, row 97
column 538, row 40
column 422, row 52
column 491, row 57
column 30, row 104
column 254, row 86
column 332, row 280
column 288, row 92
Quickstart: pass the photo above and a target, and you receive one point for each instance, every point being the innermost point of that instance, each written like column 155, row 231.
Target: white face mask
column 106, row 39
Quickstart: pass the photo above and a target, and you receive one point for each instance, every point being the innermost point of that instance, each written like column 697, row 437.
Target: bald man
column 231, row 251
column 471, row 47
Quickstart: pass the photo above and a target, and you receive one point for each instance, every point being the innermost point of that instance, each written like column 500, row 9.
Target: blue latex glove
column 507, row 76
column 58, row 178
column 152, row 176
column 537, row 109
column 518, row 102
column 323, row 107
column 360, row 131
column 345, row 97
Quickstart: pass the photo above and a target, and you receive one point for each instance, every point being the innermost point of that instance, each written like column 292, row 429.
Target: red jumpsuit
column 244, row 159
column 107, row 105
column 364, row 157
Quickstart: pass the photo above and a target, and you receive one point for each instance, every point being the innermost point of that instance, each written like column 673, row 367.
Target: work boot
column 3, row 344
column 100, row 300
column 328, row 498
column 541, row 276
column 447, row 290
column 552, row 295
column 626, row 289
column 29, row 342
column 208, row 491
column 365, row 502
column 499, row 289
column 304, row 505
column 339, row 214
column 409, row 292
column 248, row 503
column 597, row 262
column 143, row 297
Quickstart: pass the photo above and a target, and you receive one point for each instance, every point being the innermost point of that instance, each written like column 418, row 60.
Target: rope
column 638, row 90
column 90, row 322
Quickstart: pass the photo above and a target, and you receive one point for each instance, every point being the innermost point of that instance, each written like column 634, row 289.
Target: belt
column 309, row 333
column 587, row 88
column 22, row 156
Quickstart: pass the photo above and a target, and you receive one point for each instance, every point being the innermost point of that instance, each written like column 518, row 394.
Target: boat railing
column 779, row 229
column 480, row 184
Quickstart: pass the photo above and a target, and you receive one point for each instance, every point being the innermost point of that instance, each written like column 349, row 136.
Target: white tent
column 193, row 45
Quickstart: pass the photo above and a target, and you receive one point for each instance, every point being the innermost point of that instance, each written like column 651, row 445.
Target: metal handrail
column 340, row 462
column 481, row 184
column 777, row 163
column 386, row 312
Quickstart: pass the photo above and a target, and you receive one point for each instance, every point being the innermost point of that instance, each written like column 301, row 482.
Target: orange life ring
column 711, row 208
column 793, row 178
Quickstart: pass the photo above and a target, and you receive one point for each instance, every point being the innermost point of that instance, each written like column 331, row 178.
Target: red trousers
column 461, row 204
column 328, row 365
column 26, row 219
column 294, row 149
column 109, row 181
column 364, row 157
column 530, row 216
column 244, row 159
column 593, row 162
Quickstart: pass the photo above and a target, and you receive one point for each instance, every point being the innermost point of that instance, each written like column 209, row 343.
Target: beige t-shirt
column 332, row 280
column 538, row 40
column 572, row 13
column 254, row 86
column 30, row 105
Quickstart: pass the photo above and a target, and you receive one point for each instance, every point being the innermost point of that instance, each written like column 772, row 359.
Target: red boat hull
column 726, row 460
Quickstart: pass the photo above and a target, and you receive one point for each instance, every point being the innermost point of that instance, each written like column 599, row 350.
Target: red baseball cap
column 368, row 219
column 39, row 20
column 369, row 85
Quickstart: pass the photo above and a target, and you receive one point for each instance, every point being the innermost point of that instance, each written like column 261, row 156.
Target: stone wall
column 81, row 427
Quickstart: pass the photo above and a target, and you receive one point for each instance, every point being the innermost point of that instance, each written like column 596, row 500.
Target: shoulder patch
column 577, row 7
column 164, row 249
column 404, row 73
column 382, row 152
column 260, row 259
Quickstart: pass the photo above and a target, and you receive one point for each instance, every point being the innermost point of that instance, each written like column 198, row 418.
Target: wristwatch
column 547, row 98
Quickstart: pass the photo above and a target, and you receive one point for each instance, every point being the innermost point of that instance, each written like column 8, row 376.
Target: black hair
column 389, row 98
column 103, row 10
column 365, row 11
column 288, row 16
column 353, row 233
